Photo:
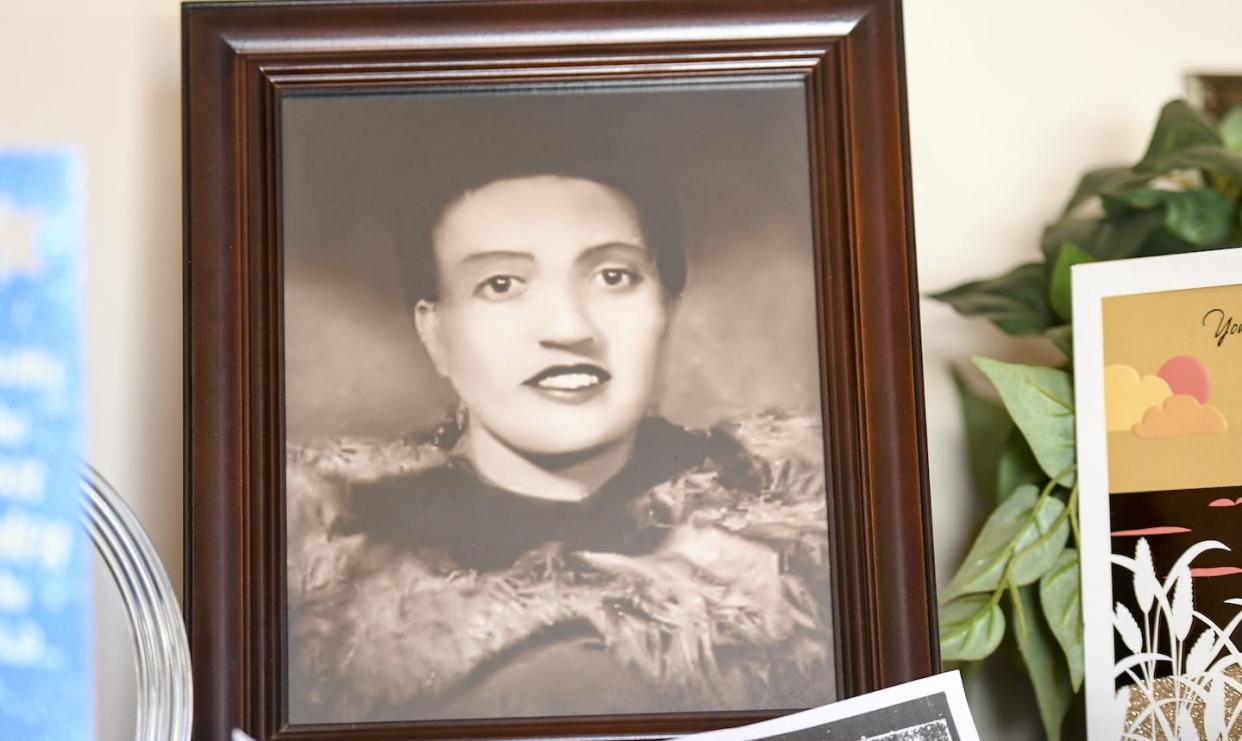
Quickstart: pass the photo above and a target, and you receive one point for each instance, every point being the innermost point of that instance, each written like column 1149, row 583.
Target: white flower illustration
column 1200, row 671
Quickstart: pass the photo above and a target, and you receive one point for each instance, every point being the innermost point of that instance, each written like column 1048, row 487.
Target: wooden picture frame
column 241, row 60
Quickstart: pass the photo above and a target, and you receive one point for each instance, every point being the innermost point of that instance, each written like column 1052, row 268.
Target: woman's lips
column 569, row 378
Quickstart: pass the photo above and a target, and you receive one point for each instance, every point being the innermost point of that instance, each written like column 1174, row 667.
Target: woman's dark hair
column 658, row 216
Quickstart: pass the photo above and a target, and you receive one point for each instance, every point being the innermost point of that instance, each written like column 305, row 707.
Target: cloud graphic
column 1181, row 415
column 1186, row 375
column 1127, row 396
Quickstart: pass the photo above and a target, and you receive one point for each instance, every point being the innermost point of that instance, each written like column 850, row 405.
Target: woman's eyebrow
column 628, row 249
column 475, row 258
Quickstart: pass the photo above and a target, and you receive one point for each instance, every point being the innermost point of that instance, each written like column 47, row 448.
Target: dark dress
column 694, row 580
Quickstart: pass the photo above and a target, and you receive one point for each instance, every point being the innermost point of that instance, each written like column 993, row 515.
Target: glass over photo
column 554, row 428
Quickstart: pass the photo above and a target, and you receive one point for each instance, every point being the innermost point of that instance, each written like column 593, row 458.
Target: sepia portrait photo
column 553, row 410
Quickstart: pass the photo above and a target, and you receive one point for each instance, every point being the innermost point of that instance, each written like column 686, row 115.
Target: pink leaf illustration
column 1161, row 530
column 1210, row 571
column 1182, row 567
column 1224, row 503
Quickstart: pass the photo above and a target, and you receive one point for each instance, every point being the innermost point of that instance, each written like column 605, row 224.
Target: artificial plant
column 1019, row 579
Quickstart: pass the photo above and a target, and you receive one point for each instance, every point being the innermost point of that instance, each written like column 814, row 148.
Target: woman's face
column 551, row 313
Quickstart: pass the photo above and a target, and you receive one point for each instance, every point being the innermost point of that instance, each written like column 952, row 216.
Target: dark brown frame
column 239, row 59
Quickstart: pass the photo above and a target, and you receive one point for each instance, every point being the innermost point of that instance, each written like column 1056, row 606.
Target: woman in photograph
column 555, row 547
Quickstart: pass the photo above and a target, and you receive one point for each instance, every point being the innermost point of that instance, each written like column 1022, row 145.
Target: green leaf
column 1231, row 129
column 1202, row 217
column 1043, row 664
column 1017, row 466
column 987, row 426
column 1011, row 527
column 1015, row 302
column 1036, row 550
column 1122, row 200
column 1117, row 237
column 1063, row 338
column 1041, row 402
column 1061, row 597
column 1163, row 242
column 1060, row 297
column 1178, row 127
column 970, row 628
column 1095, row 182
column 969, row 669
column 1209, row 157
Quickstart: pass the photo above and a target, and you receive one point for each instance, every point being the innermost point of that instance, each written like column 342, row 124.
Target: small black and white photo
column 922, row 719
column 553, row 409
column 929, row 709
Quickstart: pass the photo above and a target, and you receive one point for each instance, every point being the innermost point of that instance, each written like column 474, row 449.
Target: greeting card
column 1158, row 362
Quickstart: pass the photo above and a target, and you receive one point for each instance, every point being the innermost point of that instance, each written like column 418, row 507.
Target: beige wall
column 1008, row 102
column 103, row 77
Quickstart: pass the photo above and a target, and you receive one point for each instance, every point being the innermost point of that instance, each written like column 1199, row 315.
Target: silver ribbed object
column 161, row 651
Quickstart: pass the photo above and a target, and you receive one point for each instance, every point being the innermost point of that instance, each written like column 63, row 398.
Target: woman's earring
column 449, row 431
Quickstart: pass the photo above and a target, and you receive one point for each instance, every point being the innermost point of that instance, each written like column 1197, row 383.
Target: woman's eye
column 500, row 286
column 618, row 277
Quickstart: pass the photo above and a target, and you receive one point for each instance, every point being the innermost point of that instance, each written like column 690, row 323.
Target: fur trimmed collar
column 701, row 569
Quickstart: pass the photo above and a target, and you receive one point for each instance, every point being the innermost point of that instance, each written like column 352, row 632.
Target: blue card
column 45, row 687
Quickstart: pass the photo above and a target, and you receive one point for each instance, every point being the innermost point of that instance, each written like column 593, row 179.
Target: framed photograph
column 552, row 367
column 1158, row 358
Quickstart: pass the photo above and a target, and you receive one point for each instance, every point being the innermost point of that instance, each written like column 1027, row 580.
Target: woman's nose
column 566, row 321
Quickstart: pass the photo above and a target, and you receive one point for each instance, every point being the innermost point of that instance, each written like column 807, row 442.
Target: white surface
column 949, row 683
column 1093, row 283
column 1009, row 102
